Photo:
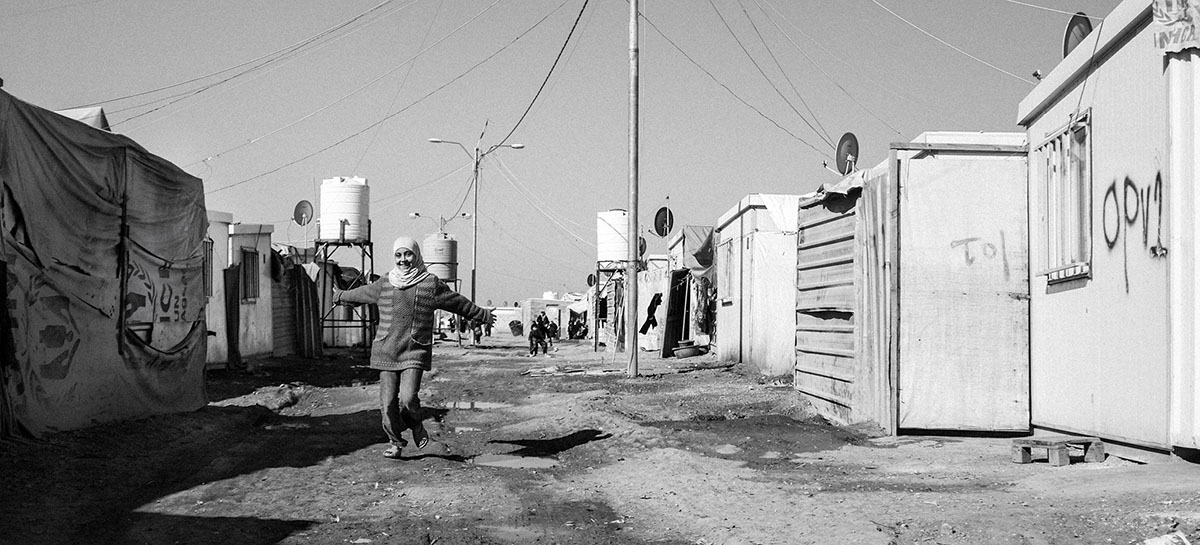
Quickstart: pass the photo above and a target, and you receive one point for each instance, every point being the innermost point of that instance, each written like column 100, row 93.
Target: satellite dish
column 303, row 213
column 1077, row 29
column 591, row 280
column 641, row 246
column 847, row 153
column 663, row 221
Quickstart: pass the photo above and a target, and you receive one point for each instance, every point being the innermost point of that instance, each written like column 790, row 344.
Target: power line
column 729, row 90
column 543, row 210
column 274, row 64
column 399, row 88
column 289, row 48
column 827, row 141
column 355, row 91
column 402, row 110
column 1051, row 9
column 548, row 74
column 779, row 66
column 951, row 46
column 52, row 8
column 414, row 188
column 513, row 179
column 822, row 70
column 538, row 252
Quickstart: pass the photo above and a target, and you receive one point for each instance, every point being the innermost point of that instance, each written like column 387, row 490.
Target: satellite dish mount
column 1078, row 28
column 664, row 220
column 847, row 153
column 303, row 213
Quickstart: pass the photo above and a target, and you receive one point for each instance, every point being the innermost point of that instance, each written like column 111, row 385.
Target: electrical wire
column 524, row 189
column 951, row 46
column 351, row 93
column 554, row 220
column 402, row 110
column 822, row 70
column 52, row 8
column 296, row 45
column 729, row 90
column 399, row 88
column 541, row 253
column 548, row 74
column 274, row 64
column 377, row 206
column 762, row 72
column 1051, row 9
column 811, row 113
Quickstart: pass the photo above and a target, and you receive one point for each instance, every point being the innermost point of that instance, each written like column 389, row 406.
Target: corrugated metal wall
column 283, row 317
column 825, row 297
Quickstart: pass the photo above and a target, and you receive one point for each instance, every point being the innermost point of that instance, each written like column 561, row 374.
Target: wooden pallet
column 1056, row 448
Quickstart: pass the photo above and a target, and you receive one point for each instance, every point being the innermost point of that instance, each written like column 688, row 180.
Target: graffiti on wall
column 1128, row 205
column 151, row 293
column 975, row 248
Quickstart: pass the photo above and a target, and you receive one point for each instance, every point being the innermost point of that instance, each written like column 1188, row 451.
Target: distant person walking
column 542, row 321
column 537, row 338
column 403, row 347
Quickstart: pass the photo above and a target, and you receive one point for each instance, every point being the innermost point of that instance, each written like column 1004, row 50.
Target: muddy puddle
column 514, row 461
column 759, row 439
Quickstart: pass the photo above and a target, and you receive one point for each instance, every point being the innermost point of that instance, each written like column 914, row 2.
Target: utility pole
column 631, row 236
column 475, row 223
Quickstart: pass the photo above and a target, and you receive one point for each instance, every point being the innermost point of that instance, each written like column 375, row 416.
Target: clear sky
column 738, row 97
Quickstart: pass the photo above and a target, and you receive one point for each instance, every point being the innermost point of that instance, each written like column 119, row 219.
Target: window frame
column 207, row 269
column 1064, row 177
column 249, row 277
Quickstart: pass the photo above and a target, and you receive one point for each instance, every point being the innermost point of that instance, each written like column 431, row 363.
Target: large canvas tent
column 102, row 246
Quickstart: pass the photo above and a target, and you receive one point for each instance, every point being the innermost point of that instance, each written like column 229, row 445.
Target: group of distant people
column 461, row 327
column 542, row 333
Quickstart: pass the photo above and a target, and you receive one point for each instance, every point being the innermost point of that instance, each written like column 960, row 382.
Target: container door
column 964, row 293
column 729, row 309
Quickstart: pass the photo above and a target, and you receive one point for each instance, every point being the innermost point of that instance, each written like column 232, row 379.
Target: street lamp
column 441, row 221
column 476, row 157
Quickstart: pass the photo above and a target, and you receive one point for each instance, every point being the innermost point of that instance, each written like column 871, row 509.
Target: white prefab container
column 756, row 265
column 440, row 252
column 344, row 213
column 1112, row 210
column 612, row 244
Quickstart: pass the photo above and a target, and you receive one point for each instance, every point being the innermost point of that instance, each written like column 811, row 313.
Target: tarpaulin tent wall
column 103, row 246
column 652, row 308
column 912, row 289
column 756, row 262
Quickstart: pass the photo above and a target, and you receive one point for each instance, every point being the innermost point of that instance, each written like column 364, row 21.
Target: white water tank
column 343, row 214
column 440, row 252
column 611, row 242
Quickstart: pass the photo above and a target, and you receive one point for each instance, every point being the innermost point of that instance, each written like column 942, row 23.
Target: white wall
column 214, row 311
column 1099, row 345
column 254, row 331
column 756, row 262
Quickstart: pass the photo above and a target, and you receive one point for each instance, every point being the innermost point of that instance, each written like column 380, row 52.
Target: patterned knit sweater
column 405, row 337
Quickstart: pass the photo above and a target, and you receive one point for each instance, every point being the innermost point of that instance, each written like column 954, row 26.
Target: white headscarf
column 403, row 277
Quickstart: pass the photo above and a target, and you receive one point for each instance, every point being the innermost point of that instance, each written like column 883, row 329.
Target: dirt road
column 557, row 450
